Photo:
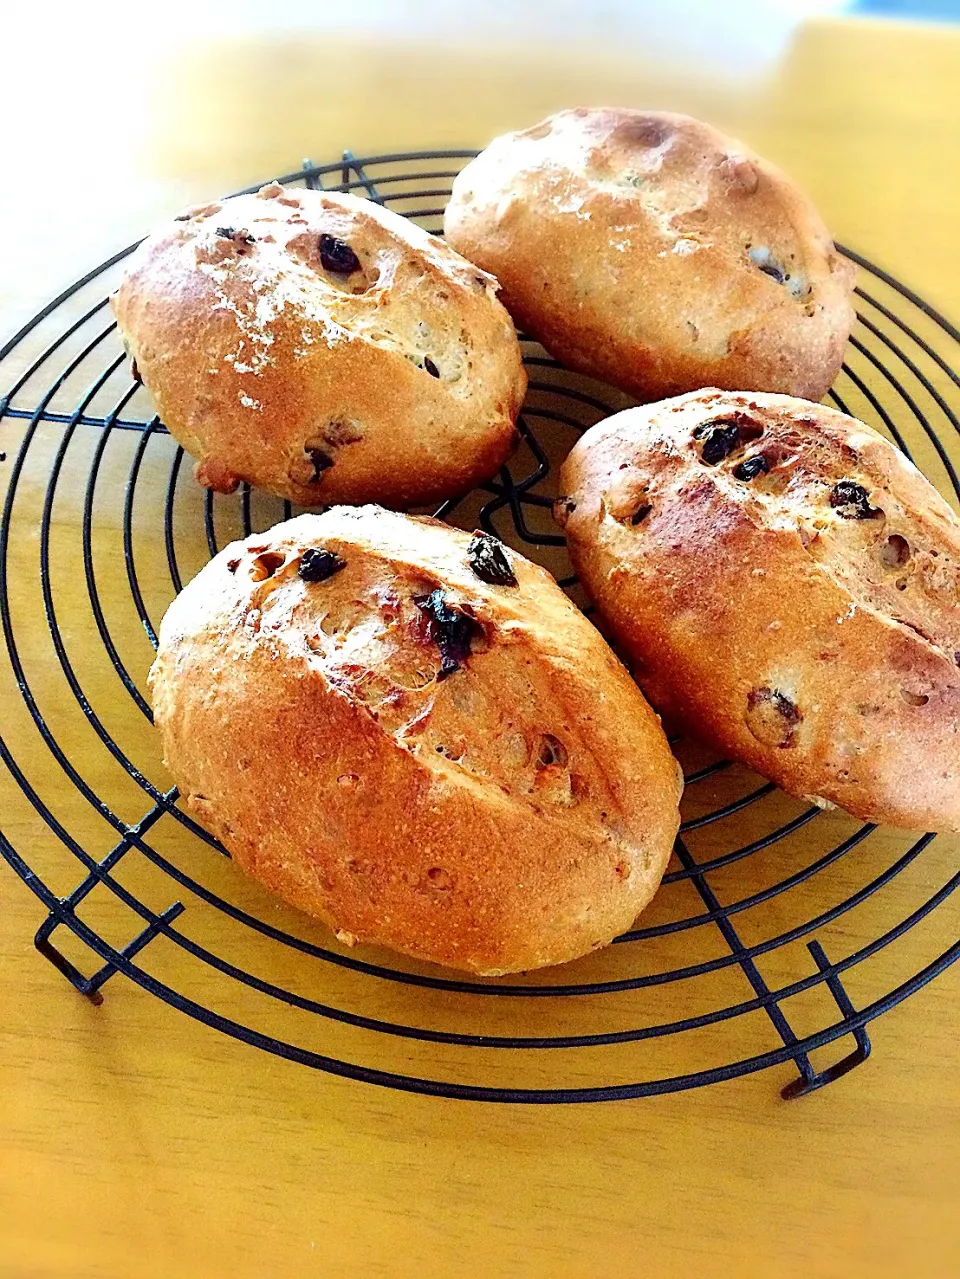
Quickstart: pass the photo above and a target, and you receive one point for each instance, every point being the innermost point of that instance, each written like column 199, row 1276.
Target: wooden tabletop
column 136, row 1141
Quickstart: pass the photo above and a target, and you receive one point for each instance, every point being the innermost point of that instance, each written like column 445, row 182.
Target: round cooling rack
column 780, row 931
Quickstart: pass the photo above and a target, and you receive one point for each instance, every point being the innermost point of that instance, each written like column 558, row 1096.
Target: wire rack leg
column 350, row 162
column 90, row 986
column 810, row 1080
column 65, row 913
column 800, row 1087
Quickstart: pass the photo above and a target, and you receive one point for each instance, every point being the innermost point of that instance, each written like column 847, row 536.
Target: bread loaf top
column 322, row 348
column 789, row 585
column 412, row 747
column 650, row 250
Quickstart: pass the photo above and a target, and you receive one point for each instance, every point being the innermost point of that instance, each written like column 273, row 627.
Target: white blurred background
column 117, row 113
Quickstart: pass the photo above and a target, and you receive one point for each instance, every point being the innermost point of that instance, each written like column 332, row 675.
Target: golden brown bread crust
column 397, row 381
column 636, row 246
column 804, row 618
column 517, row 813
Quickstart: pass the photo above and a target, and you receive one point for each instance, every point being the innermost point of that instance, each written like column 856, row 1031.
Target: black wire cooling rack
column 779, row 931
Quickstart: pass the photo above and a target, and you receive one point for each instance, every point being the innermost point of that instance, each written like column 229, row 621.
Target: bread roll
column 788, row 585
column 415, row 736
column 323, row 349
column 651, row 251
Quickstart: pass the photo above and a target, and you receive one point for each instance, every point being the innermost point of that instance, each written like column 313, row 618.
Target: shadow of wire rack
column 780, row 931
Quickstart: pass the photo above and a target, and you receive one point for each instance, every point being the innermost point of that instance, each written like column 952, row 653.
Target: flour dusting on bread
column 321, row 307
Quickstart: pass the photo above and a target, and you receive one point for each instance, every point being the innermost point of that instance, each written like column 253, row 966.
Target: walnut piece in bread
column 415, row 736
column 652, row 251
column 323, row 349
column 788, row 584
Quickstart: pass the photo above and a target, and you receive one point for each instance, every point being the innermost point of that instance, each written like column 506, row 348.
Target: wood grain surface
column 136, row 1142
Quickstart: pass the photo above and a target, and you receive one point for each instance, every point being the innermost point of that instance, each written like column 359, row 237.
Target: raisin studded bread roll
column 651, row 251
column 789, row 586
column 415, row 736
column 323, row 349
